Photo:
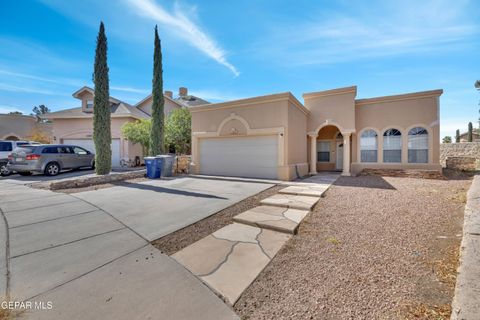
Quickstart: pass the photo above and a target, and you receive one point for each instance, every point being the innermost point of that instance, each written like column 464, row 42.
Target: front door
column 339, row 165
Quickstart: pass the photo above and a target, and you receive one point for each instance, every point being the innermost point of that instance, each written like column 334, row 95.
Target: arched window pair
column 392, row 146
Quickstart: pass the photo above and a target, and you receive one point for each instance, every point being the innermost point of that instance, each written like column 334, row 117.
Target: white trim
column 359, row 145
column 430, row 141
column 403, row 155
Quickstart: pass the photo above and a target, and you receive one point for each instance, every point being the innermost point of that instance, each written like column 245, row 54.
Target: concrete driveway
column 89, row 253
column 158, row 207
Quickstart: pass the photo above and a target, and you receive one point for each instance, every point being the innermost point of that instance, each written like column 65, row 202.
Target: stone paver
column 144, row 284
column 314, row 191
column 274, row 218
column 291, row 201
column 231, row 258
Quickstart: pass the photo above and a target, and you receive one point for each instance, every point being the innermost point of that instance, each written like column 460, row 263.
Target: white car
column 6, row 147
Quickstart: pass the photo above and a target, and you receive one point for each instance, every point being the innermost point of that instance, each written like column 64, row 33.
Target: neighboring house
column 23, row 127
column 475, row 136
column 278, row 137
column 75, row 126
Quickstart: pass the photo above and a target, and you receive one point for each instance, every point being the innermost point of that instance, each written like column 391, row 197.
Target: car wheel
column 25, row 173
column 4, row 170
column 52, row 169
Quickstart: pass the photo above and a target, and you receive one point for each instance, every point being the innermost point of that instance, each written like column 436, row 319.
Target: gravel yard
column 374, row 248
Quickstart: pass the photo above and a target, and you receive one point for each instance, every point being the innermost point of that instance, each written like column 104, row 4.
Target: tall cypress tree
column 470, row 132
column 101, row 107
column 457, row 136
column 158, row 116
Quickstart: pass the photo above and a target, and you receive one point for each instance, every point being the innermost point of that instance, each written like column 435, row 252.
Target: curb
column 466, row 302
column 87, row 181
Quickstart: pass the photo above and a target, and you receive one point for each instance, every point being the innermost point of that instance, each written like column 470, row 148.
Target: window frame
column 88, row 105
column 361, row 135
column 329, row 152
column 426, row 141
column 385, row 138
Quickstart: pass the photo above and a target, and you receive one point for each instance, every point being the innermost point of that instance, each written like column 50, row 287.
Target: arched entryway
column 330, row 149
column 12, row 138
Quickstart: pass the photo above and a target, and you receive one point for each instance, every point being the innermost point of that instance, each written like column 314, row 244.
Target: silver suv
column 49, row 159
column 6, row 147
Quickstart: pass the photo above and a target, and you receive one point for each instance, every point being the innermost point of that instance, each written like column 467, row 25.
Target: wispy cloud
column 130, row 89
column 392, row 29
column 40, row 80
column 8, row 109
column 25, row 89
column 62, row 81
column 179, row 23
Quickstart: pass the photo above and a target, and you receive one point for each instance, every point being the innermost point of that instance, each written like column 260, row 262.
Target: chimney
column 182, row 91
column 168, row 94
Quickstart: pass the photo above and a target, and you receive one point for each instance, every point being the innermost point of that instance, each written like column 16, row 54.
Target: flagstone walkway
column 230, row 259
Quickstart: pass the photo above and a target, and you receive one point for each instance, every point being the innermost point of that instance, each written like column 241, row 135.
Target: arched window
column 392, row 146
column 368, row 146
column 418, row 145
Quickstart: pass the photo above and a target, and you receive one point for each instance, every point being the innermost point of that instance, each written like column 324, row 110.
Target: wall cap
column 331, row 92
column 399, row 97
column 284, row 96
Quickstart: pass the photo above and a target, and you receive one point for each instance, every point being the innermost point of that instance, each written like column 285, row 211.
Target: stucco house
column 475, row 136
column 75, row 126
column 278, row 137
column 23, row 127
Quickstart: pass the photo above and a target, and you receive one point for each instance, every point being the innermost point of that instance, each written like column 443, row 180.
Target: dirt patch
column 101, row 186
column 184, row 237
column 7, row 314
column 373, row 248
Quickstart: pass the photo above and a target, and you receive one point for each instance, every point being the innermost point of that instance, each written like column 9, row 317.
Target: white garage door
column 90, row 146
column 253, row 157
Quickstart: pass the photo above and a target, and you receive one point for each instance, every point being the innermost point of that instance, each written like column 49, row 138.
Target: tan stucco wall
column 83, row 129
column 336, row 107
column 403, row 115
column 296, row 142
column 23, row 127
column 146, row 106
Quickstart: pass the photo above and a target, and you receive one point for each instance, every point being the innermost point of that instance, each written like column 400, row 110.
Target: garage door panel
column 255, row 157
column 90, row 146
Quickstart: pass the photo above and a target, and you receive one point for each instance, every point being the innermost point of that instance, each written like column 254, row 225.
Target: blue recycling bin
column 153, row 167
column 166, row 163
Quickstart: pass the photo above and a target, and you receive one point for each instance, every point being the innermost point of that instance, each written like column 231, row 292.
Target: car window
column 50, row 150
column 6, row 146
column 26, row 149
column 22, row 143
column 78, row 150
column 64, row 150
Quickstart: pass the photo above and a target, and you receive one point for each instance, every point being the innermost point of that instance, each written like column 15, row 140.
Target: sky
column 226, row 50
